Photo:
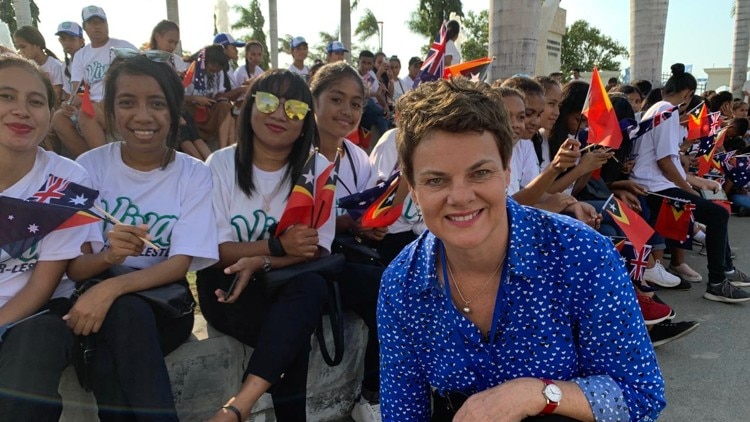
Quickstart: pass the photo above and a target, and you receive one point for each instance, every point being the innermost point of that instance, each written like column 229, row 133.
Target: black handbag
column 172, row 300
column 356, row 250
column 329, row 267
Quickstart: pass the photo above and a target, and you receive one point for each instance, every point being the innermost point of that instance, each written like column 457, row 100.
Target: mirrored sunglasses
column 267, row 103
column 157, row 56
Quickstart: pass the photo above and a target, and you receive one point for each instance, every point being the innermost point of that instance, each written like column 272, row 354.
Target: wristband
column 234, row 410
column 275, row 247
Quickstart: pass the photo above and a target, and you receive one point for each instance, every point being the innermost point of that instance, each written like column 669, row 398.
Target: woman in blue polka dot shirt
column 501, row 312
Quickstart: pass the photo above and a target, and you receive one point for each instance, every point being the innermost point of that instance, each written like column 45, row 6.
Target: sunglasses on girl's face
column 267, row 103
column 157, row 56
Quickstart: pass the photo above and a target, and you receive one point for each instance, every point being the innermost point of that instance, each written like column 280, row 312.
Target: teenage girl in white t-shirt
column 31, row 44
column 252, row 183
column 33, row 354
column 157, row 194
column 339, row 95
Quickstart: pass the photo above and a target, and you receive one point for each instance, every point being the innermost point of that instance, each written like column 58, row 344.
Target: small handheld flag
column 301, row 203
column 604, row 128
column 636, row 229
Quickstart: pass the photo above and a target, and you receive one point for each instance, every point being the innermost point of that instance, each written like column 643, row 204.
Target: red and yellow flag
column 604, row 128
column 300, row 205
column 636, row 229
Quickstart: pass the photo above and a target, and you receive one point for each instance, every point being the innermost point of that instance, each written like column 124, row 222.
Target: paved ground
column 708, row 372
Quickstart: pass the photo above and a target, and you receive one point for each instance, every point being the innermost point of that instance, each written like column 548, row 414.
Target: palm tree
column 319, row 50
column 368, row 27
column 648, row 24
column 23, row 12
column 346, row 24
column 273, row 33
column 514, row 28
column 741, row 44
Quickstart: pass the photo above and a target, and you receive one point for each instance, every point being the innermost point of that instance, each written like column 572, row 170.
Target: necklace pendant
column 466, row 309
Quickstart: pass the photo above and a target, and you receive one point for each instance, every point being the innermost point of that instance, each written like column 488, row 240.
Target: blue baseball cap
column 336, row 46
column 70, row 28
column 225, row 39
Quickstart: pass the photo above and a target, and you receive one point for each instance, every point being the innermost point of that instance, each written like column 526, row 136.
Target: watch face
column 553, row 393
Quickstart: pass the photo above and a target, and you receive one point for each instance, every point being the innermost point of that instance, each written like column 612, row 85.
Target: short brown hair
column 458, row 106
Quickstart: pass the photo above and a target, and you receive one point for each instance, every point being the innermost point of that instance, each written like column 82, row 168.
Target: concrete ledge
column 207, row 370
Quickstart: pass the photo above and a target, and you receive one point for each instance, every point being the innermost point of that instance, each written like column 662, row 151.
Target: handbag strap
column 336, row 318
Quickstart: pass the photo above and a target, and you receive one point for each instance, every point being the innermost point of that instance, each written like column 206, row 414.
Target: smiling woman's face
column 338, row 109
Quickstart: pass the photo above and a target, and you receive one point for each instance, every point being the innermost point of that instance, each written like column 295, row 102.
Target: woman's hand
column 89, row 311
column 567, row 156
column 586, row 214
column 124, row 241
column 68, row 110
column 377, row 233
column 511, row 401
column 594, row 159
column 627, row 166
column 706, row 184
column 628, row 198
column 300, row 241
column 630, row 186
column 244, row 268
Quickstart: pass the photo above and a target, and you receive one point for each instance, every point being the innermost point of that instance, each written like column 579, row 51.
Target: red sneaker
column 653, row 312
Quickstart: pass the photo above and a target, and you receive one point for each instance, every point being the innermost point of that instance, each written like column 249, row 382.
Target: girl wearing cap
column 30, row 44
column 299, row 54
column 90, row 65
column 70, row 35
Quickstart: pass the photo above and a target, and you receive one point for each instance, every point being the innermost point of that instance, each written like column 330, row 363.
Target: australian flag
column 737, row 169
column 434, row 65
column 58, row 204
column 635, row 261
column 648, row 124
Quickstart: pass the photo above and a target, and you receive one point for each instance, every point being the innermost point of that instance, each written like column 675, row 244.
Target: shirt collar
column 526, row 245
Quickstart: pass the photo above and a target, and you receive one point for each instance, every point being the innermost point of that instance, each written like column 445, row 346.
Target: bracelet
column 275, row 247
column 233, row 410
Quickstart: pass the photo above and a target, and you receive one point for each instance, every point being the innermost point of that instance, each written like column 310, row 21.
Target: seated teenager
column 252, row 183
column 33, row 354
column 162, row 199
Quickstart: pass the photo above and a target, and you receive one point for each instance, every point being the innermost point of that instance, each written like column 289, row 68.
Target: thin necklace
column 466, row 309
column 272, row 194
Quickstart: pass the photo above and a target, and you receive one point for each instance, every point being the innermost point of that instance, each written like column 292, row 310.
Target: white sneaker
column 659, row 276
column 364, row 411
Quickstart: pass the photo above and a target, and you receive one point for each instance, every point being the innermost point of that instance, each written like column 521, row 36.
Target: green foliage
column 584, row 46
column 428, row 17
column 367, row 26
column 252, row 18
column 476, row 31
column 8, row 14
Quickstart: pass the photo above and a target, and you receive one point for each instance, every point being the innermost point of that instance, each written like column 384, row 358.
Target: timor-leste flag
column 476, row 70
column 697, row 122
column 301, row 203
column 87, row 106
column 604, row 128
column 189, row 75
column 325, row 190
column 673, row 221
column 636, row 229
column 387, row 208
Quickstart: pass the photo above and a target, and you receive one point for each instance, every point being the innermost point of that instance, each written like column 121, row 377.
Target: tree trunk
column 514, row 34
column 274, row 34
column 173, row 14
column 648, row 24
column 23, row 13
column 741, row 46
column 346, row 27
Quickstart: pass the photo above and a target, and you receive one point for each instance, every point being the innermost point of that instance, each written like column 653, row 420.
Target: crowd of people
column 497, row 187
